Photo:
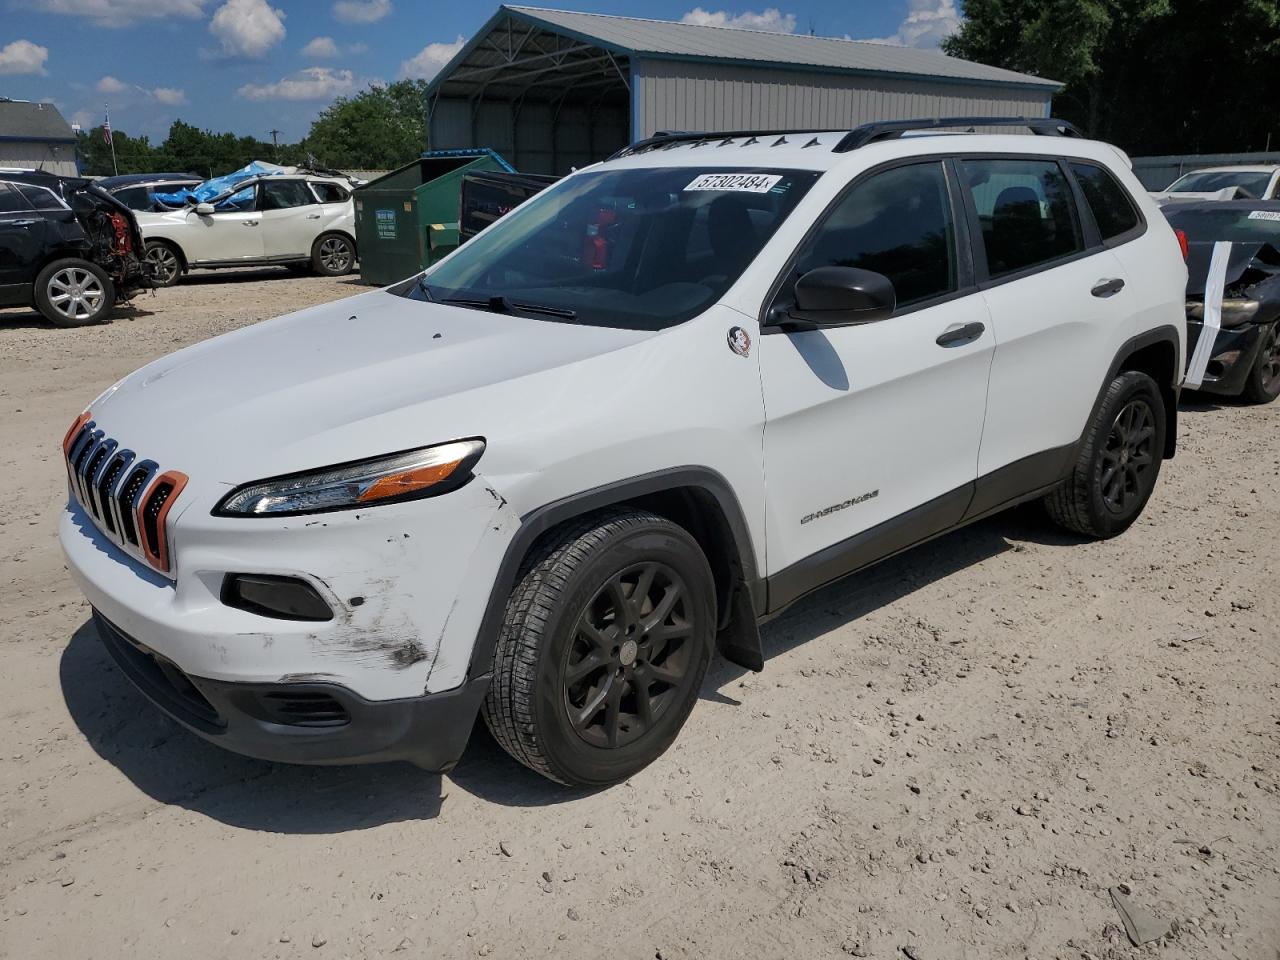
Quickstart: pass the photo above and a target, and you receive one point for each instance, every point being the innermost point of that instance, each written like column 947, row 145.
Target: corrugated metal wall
column 687, row 95
column 1156, row 173
column 55, row 158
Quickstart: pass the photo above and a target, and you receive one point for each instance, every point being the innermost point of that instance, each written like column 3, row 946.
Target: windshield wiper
column 501, row 304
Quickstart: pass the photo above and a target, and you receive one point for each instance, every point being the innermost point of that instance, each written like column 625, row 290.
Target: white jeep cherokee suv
column 295, row 221
column 654, row 405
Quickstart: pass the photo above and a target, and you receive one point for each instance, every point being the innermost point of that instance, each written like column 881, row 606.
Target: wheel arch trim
column 1169, row 392
column 542, row 519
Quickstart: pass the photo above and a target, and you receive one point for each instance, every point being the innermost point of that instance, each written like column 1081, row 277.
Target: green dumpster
column 408, row 218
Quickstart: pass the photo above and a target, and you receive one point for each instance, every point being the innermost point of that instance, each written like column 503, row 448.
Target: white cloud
column 169, row 96
column 770, row 20
column 110, row 84
column 121, row 13
column 23, row 56
column 428, row 61
column 313, row 83
column 927, row 24
column 247, row 28
column 361, row 11
column 320, row 47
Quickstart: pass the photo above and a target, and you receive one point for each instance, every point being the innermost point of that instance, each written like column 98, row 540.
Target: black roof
column 23, row 120
column 133, row 179
column 41, row 179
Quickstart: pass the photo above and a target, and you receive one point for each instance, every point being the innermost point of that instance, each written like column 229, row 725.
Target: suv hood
column 358, row 378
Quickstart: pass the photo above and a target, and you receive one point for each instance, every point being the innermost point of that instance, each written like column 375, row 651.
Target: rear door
column 290, row 218
column 23, row 237
column 872, row 431
column 1058, row 302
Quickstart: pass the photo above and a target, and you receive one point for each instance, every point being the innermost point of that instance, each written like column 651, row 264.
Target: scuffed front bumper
column 1234, row 353
column 316, row 723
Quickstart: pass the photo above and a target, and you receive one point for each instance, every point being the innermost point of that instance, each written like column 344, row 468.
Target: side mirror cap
column 839, row 297
column 204, row 209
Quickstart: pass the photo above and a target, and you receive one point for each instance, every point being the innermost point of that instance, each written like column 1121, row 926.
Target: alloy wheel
column 1127, row 456
column 1269, row 366
column 76, row 293
column 166, row 262
column 335, row 254
column 632, row 649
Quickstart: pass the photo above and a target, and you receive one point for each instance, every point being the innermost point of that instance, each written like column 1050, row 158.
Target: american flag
column 106, row 127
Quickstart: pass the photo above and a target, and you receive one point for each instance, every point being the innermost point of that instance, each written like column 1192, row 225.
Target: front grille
column 128, row 498
column 304, row 708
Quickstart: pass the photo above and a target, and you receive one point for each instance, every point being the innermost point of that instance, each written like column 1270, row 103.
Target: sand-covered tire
column 603, row 648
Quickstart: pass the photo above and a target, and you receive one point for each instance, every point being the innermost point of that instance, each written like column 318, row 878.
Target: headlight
column 1236, row 311
column 424, row 472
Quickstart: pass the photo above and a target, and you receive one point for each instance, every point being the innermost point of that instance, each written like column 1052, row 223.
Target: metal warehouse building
column 551, row 89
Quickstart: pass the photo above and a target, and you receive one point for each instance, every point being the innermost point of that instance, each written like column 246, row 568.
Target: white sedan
column 292, row 221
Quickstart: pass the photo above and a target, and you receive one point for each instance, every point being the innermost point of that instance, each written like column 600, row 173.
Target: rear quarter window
column 1110, row 203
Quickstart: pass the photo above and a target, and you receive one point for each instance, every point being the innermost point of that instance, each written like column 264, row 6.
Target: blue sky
column 251, row 66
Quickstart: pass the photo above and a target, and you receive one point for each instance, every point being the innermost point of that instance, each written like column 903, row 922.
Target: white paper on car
column 1264, row 214
column 735, row 182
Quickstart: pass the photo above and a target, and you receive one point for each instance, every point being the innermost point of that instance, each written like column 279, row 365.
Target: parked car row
column 73, row 248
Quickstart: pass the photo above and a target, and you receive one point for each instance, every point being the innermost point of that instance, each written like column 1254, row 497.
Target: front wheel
column 1118, row 464
column 603, row 648
column 166, row 263
column 74, row 293
column 1263, row 384
column 333, row 255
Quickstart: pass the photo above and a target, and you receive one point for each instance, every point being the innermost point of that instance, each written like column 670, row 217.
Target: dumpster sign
column 386, row 220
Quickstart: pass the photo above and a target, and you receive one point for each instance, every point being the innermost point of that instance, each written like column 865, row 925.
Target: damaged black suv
column 67, row 248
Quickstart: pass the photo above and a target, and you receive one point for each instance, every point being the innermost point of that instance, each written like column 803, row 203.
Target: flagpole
column 111, row 141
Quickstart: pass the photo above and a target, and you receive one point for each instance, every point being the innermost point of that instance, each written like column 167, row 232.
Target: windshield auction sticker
column 1264, row 214
column 735, row 182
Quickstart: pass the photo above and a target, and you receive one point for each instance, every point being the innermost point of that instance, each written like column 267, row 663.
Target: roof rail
column 893, row 129
column 666, row 138
column 853, row 139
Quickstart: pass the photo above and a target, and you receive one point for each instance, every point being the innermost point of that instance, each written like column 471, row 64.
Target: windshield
column 642, row 249
column 1212, row 181
column 1229, row 223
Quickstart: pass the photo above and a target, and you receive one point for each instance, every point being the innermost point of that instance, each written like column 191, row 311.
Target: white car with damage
column 651, row 407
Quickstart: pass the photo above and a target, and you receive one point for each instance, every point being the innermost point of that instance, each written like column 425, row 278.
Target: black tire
column 74, row 293
column 563, row 648
column 333, row 254
column 1119, row 463
column 1263, row 383
column 166, row 260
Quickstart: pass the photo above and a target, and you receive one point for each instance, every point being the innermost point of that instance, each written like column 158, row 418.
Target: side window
column 329, row 192
column 11, row 201
column 1026, row 212
column 283, row 194
column 897, row 223
column 1112, row 209
column 40, row 198
column 135, row 198
column 239, row 202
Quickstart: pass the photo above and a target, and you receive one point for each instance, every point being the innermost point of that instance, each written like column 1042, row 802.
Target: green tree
column 378, row 128
column 1154, row 76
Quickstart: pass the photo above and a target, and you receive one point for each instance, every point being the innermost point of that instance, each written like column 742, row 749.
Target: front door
column 232, row 232
column 290, row 218
column 872, row 431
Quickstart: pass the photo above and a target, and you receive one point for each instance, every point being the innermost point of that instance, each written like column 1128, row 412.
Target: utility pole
column 275, row 143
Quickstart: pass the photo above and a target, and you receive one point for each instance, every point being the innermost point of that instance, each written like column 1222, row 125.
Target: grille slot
column 104, row 486
column 304, row 709
column 160, row 494
column 127, row 500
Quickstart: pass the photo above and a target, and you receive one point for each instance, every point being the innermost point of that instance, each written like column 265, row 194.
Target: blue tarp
column 220, row 186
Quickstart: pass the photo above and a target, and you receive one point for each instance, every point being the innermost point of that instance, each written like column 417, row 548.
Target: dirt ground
column 953, row 757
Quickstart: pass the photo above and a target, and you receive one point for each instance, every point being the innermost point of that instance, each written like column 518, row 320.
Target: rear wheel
column 1117, row 468
column 606, row 639
column 166, row 262
column 74, row 293
column 1263, row 383
column 333, row 255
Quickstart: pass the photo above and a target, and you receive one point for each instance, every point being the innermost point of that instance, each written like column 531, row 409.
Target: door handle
column 313, row 216
column 1107, row 288
column 958, row 335
column 249, row 223
column 22, row 223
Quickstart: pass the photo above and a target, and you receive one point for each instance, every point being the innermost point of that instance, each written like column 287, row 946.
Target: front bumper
column 317, row 723
column 1234, row 353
